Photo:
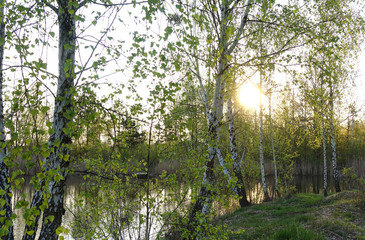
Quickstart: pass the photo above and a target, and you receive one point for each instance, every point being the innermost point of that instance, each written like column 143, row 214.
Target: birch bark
column 325, row 193
column 333, row 142
column 273, row 151
column 57, row 162
column 263, row 180
column 239, row 187
column 63, row 115
column 6, row 225
column 203, row 203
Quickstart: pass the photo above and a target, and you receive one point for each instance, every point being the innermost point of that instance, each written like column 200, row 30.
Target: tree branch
column 50, row 6
column 116, row 4
column 243, row 24
column 94, row 49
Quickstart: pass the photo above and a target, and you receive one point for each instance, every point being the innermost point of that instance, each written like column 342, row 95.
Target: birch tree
column 6, row 225
column 273, row 147
column 56, row 164
column 333, row 142
column 262, row 168
column 331, row 59
column 325, row 171
column 227, row 42
column 239, row 188
column 213, row 33
column 49, row 195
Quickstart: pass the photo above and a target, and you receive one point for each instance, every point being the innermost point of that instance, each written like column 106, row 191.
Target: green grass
column 296, row 231
column 303, row 216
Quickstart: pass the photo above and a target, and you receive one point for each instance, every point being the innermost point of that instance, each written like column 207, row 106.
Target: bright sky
column 249, row 96
column 360, row 80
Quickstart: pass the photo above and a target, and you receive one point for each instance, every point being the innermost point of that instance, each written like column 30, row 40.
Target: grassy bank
column 302, row 216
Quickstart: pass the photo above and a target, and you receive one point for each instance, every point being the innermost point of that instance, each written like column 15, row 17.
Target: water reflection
column 303, row 184
column 73, row 189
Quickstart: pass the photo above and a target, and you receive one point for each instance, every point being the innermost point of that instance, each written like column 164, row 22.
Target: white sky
column 360, row 80
column 123, row 33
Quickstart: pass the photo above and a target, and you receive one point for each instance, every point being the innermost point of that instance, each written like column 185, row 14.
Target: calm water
column 303, row 184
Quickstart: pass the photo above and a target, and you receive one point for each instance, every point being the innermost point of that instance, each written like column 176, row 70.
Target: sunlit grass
column 296, row 231
column 303, row 216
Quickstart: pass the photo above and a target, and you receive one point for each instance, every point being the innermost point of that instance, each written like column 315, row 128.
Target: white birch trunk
column 204, row 201
column 203, row 204
column 6, row 226
column 223, row 165
column 333, row 143
column 63, row 113
column 239, row 187
column 325, row 193
column 273, row 152
column 263, row 180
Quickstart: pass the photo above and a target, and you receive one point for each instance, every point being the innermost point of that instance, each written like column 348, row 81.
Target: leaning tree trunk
column 219, row 113
column 204, row 200
column 333, row 144
column 239, row 187
column 325, row 193
column 57, row 162
column 203, row 204
column 6, row 225
column 263, row 180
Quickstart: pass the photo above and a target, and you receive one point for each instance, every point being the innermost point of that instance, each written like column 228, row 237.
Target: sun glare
column 249, row 96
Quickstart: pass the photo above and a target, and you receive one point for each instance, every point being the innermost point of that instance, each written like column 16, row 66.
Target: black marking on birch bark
column 263, row 180
column 6, row 222
column 205, row 195
column 204, row 200
column 333, row 143
column 273, row 152
column 325, row 193
column 240, row 188
column 62, row 116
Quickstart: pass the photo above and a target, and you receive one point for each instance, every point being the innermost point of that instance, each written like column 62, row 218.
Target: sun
column 249, row 96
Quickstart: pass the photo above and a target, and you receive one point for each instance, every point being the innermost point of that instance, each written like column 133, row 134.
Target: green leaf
column 67, row 46
column 168, row 31
column 45, row 154
column 51, row 218
column 34, row 112
column 58, row 178
column 2, row 201
column 57, row 143
column 45, row 109
column 2, row 41
column 177, row 65
column 59, row 230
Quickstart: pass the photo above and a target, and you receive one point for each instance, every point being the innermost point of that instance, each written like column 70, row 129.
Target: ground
column 302, row 216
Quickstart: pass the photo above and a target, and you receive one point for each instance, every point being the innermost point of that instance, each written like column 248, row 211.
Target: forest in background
column 142, row 99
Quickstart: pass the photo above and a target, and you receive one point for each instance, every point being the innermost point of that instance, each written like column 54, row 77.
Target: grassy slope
column 303, row 216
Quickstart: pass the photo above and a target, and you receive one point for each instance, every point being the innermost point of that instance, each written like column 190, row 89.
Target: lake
column 303, row 184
